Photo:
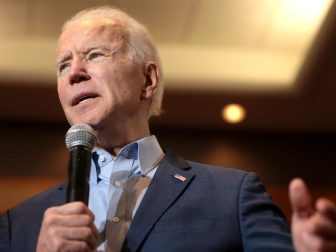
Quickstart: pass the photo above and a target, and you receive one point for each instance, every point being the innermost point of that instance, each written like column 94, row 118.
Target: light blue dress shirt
column 117, row 186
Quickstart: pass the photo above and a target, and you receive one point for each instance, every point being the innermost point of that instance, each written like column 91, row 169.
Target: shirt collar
column 146, row 150
column 149, row 154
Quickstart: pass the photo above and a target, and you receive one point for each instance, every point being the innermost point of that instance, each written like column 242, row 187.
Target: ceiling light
column 233, row 113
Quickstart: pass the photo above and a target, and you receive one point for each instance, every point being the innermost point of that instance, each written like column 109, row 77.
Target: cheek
column 121, row 82
column 108, row 80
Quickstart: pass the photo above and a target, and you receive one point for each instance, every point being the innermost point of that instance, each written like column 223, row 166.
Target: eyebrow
column 94, row 47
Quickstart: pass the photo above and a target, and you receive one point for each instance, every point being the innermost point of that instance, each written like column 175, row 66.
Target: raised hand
column 313, row 225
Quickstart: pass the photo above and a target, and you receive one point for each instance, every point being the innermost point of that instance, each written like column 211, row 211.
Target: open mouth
column 83, row 97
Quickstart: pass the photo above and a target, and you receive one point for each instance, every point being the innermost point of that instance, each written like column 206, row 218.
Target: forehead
column 89, row 33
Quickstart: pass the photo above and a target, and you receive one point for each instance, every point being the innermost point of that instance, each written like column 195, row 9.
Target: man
column 141, row 199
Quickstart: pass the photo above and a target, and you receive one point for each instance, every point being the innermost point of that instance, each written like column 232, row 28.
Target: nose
column 78, row 72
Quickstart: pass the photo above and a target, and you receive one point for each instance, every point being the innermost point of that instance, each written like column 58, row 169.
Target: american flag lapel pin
column 180, row 177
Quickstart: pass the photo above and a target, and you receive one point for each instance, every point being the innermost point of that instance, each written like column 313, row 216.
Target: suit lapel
column 169, row 182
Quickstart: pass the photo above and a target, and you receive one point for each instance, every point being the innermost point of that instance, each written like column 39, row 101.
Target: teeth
column 85, row 99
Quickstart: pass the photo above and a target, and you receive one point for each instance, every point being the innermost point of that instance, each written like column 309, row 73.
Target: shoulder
column 217, row 170
column 212, row 175
column 225, row 176
column 181, row 163
column 20, row 225
column 32, row 210
column 50, row 197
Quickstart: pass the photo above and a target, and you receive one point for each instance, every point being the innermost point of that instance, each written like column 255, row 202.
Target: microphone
column 80, row 140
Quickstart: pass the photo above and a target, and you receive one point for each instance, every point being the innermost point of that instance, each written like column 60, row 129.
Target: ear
column 151, row 80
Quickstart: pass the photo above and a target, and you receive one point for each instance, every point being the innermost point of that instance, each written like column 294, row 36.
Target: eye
column 95, row 55
column 62, row 67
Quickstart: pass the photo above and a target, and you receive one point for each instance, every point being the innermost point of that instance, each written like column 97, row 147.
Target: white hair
column 141, row 46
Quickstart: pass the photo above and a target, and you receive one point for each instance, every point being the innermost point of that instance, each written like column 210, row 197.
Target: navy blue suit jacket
column 213, row 209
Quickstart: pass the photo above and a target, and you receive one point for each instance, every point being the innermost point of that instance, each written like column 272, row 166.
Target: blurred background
column 250, row 84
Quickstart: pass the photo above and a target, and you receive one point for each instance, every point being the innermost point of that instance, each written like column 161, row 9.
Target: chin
column 87, row 120
column 92, row 117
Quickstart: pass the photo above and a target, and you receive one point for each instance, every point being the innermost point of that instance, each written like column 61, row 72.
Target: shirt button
column 117, row 183
column 102, row 158
column 115, row 219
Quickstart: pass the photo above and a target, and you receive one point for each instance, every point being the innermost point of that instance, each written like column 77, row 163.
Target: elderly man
column 142, row 199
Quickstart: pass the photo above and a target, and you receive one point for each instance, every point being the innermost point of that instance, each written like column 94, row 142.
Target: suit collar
column 174, row 175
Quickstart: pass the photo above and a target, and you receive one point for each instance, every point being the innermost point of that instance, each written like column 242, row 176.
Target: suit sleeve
column 263, row 225
column 4, row 233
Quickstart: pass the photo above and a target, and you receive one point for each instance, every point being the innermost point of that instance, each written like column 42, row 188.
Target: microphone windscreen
column 80, row 134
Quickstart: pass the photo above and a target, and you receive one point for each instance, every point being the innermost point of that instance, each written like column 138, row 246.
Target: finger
column 81, row 220
column 300, row 198
column 326, row 208
column 70, row 208
column 84, row 234
column 74, row 208
column 60, row 238
column 55, row 216
column 322, row 227
column 56, row 232
column 69, row 245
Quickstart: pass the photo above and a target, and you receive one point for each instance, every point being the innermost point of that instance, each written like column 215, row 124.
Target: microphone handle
column 79, row 172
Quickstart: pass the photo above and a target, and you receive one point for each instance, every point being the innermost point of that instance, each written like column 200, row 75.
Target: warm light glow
column 309, row 9
column 233, row 113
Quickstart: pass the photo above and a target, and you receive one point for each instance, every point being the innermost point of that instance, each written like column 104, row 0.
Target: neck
column 113, row 138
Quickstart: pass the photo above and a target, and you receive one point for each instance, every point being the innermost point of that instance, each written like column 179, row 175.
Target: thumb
column 300, row 198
